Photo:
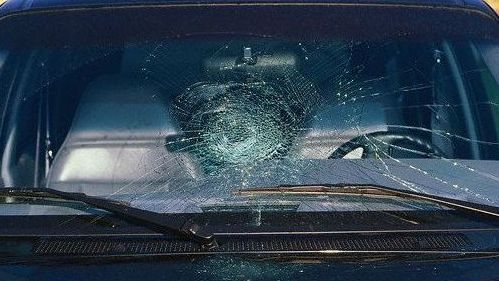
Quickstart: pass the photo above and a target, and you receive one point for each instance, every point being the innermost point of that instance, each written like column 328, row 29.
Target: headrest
column 122, row 107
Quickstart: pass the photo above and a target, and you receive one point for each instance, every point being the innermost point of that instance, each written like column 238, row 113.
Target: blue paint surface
column 240, row 269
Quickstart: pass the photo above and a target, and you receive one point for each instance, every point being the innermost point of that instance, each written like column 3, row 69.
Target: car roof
column 14, row 6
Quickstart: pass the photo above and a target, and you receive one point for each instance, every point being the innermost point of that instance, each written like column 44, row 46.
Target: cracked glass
column 179, row 124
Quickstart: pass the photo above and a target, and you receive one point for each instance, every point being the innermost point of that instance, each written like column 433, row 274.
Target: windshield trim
column 483, row 9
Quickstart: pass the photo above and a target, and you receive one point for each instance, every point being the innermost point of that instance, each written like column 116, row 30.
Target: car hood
column 230, row 268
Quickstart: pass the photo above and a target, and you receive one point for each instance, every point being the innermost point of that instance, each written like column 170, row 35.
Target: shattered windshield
column 177, row 124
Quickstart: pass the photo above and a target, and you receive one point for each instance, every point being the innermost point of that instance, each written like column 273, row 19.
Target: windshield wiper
column 154, row 221
column 371, row 190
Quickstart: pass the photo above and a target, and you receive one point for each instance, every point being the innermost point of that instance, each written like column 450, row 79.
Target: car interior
column 105, row 117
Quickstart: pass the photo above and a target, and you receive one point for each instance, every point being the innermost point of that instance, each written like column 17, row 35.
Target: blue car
column 249, row 140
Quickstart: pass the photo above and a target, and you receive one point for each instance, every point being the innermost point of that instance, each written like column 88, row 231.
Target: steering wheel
column 386, row 141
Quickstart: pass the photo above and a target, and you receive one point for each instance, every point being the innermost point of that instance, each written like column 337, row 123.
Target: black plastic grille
column 150, row 246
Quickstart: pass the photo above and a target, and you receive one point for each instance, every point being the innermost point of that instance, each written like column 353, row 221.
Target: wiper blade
column 368, row 189
column 155, row 221
column 312, row 190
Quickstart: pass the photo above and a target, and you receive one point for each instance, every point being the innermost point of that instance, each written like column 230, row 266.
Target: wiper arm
column 155, row 221
column 368, row 189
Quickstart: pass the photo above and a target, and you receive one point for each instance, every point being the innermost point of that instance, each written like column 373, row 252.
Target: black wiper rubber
column 155, row 221
column 370, row 189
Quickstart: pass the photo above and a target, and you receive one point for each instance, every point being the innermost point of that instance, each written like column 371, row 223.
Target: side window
column 481, row 73
column 46, row 88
